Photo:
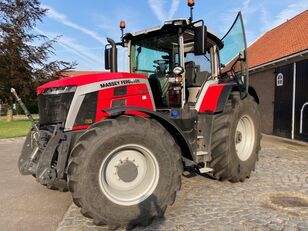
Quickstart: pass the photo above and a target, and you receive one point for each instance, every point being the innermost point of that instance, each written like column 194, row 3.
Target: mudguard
column 174, row 130
column 213, row 97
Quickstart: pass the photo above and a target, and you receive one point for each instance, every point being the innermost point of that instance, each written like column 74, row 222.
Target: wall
column 301, row 99
column 264, row 84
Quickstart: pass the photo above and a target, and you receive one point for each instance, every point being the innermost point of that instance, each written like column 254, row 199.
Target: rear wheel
column 236, row 139
column 125, row 171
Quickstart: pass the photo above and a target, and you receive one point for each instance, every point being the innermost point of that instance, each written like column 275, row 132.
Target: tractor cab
column 180, row 56
column 177, row 58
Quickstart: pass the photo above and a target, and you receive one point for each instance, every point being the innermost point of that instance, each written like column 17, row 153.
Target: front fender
column 168, row 124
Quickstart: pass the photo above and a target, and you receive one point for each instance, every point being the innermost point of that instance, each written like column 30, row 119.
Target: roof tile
column 286, row 39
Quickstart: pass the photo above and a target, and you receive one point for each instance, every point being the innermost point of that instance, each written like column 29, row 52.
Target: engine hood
column 87, row 79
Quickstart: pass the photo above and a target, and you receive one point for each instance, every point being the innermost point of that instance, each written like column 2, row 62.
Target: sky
column 83, row 26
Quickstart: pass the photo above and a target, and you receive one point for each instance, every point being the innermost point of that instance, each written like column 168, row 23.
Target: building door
column 283, row 101
column 301, row 101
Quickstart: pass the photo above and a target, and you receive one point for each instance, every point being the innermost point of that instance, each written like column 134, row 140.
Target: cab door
column 233, row 56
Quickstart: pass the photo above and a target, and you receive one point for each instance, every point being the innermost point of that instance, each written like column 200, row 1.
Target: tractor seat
column 190, row 73
column 194, row 79
column 193, row 76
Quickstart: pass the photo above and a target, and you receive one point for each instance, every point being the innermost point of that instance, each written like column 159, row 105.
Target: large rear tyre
column 125, row 171
column 236, row 139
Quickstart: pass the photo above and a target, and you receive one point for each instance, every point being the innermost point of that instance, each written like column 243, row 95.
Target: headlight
column 59, row 90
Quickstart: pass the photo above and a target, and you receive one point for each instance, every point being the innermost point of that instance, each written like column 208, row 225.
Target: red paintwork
column 210, row 100
column 86, row 79
column 133, row 98
column 80, row 127
column 134, row 95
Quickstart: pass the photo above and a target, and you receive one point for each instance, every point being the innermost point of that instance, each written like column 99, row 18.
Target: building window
column 279, row 80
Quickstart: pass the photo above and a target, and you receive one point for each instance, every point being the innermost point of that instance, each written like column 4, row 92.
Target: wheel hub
column 127, row 171
column 129, row 174
column 239, row 137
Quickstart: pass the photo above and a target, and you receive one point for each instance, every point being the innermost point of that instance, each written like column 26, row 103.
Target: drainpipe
column 293, row 101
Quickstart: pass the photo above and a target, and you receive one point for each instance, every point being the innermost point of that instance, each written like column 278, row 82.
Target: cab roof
column 170, row 26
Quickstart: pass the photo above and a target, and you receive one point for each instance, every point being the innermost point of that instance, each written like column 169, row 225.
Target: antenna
column 191, row 4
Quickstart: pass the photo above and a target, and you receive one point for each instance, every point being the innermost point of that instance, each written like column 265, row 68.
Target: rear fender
column 213, row 97
column 251, row 91
column 254, row 94
column 170, row 126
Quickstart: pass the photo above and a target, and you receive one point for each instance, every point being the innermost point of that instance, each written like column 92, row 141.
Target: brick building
column 278, row 66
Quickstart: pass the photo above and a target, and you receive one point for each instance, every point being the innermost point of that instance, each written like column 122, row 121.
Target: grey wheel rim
column 129, row 174
column 244, row 137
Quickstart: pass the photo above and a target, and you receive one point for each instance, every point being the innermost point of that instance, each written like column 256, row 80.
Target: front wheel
column 125, row 171
column 236, row 139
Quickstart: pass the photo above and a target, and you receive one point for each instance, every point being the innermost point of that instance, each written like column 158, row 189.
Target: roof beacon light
column 122, row 27
column 122, row 24
column 191, row 4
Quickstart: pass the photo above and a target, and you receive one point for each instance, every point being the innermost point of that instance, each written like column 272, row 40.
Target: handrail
column 301, row 120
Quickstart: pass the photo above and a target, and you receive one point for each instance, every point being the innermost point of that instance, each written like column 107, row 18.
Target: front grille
column 53, row 108
column 87, row 111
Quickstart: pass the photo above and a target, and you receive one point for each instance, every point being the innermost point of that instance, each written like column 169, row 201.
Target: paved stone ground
column 205, row 204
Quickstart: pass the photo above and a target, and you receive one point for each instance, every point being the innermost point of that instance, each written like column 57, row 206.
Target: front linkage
column 45, row 151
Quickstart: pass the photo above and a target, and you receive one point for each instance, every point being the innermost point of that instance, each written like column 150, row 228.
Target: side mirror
column 200, row 41
column 108, row 54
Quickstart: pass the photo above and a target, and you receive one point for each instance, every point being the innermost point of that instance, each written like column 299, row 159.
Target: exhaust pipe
column 113, row 56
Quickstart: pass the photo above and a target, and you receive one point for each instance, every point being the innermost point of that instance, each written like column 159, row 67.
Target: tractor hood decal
column 119, row 83
column 92, row 78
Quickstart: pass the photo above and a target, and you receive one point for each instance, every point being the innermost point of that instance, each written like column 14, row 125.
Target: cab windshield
column 155, row 56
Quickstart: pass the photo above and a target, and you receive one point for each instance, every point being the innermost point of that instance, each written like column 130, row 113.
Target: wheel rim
column 129, row 174
column 244, row 137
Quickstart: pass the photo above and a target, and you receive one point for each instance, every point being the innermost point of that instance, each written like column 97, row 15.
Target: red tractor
column 119, row 141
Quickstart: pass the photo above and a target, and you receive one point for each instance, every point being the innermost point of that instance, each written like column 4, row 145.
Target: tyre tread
column 78, row 153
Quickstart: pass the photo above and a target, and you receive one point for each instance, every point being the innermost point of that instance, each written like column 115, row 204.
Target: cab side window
column 198, row 69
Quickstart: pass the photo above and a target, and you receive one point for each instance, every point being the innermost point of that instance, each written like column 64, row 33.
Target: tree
column 24, row 64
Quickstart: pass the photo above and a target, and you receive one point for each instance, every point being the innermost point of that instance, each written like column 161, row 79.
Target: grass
column 14, row 128
column 19, row 127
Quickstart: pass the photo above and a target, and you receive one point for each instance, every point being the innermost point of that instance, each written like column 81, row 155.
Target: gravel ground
column 274, row 198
